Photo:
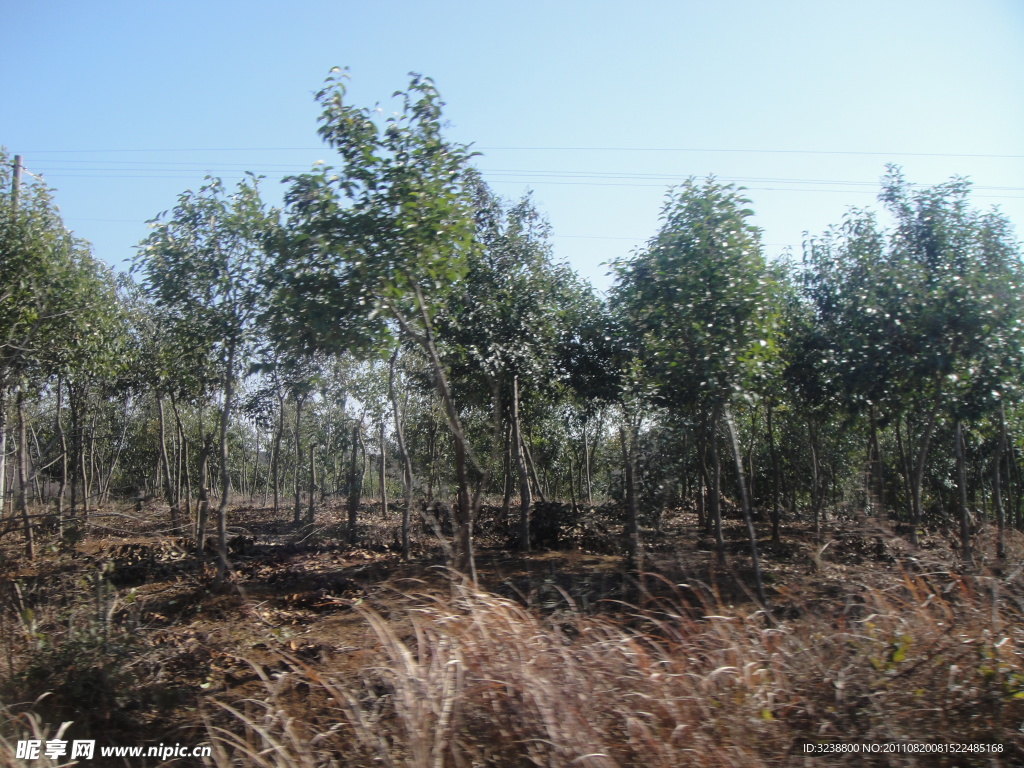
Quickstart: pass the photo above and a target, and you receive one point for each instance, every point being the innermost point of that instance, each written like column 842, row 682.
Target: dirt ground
column 121, row 631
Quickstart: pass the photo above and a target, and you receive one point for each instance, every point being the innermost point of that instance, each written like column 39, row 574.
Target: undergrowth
column 479, row 680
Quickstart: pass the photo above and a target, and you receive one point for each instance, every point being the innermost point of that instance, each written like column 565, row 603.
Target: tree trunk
column 464, row 560
column 83, row 457
column 203, row 513
column 572, row 483
column 37, row 491
column 703, row 516
column 532, row 467
column 586, row 465
column 22, row 460
column 164, row 459
column 745, row 502
column 404, row 455
column 997, row 491
column 312, row 483
column 3, row 446
column 225, row 474
column 297, row 511
column 525, row 500
column 961, row 481
column 59, row 427
column 776, row 525
column 185, row 480
column 382, row 474
column 816, row 489
column 918, row 477
column 877, row 468
column 355, row 488
column 506, row 466
column 276, row 464
column 628, row 439
column 715, row 502
column 75, row 443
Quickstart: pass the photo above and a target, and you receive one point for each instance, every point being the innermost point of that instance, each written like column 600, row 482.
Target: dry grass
column 479, row 680
column 328, row 655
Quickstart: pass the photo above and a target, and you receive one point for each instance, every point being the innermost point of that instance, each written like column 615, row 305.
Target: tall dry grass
column 477, row 680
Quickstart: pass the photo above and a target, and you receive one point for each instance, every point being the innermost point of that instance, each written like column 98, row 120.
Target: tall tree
column 204, row 265
column 923, row 321
column 56, row 305
column 382, row 237
column 698, row 299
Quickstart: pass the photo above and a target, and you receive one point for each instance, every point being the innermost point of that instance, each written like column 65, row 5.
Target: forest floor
column 320, row 653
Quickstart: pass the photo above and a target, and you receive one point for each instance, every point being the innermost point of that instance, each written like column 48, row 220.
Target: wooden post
column 16, row 184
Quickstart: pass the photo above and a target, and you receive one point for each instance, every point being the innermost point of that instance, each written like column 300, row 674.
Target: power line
column 545, row 178
column 562, row 149
column 754, row 152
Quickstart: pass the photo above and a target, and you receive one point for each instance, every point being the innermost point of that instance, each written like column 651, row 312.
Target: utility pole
column 15, row 194
column 16, row 185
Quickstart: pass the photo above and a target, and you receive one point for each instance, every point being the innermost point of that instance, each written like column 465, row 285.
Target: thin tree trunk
column 506, row 500
column 816, row 489
column 918, row 478
column 403, row 454
column 355, row 487
column 3, row 446
column 464, row 560
column 532, row 467
column 776, row 524
column 961, row 476
column 525, row 501
column 59, row 427
column 586, row 465
column 745, row 502
column 997, row 491
column 383, row 472
column 905, row 468
column 716, row 485
column 297, row 511
column 22, row 460
column 703, row 515
column 183, row 442
column 465, row 512
column 572, row 483
column 83, row 457
column 109, row 475
column 628, row 439
column 203, row 514
column 74, row 400
column 878, row 471
column 432, row 457
column 225, row 473
column 276, row 464
column 37, row 491
column 312, row 482
column 164, row 459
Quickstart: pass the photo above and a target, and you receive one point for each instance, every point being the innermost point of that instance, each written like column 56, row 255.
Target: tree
column 381, row 238
column 204, row 266
column 56, row 302
column 698, row 301
column 922, row 322
column 502, row 326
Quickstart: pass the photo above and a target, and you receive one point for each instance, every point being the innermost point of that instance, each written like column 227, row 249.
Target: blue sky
column 596, row 106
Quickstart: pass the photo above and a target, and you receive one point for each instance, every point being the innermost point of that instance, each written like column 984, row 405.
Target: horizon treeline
column 398, row 330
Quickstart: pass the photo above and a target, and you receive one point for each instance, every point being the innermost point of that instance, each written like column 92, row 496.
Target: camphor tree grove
column 882, row 372
column 547, row 503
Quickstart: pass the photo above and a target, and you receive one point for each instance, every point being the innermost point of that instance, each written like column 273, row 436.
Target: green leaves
column 57, row 302
column 204, row 265
column 699, row 298
column 930, row 309
column 384, row 234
